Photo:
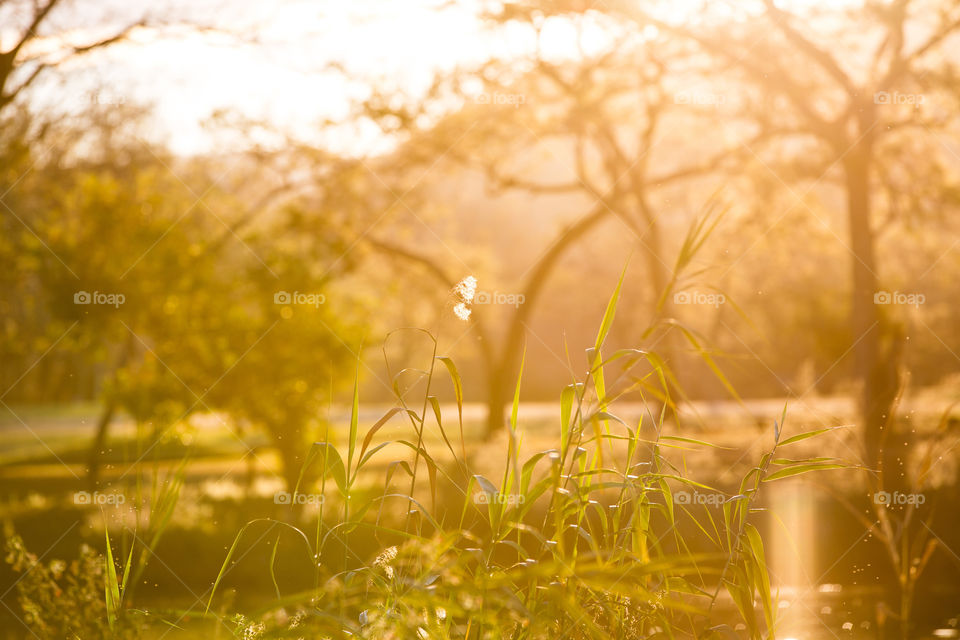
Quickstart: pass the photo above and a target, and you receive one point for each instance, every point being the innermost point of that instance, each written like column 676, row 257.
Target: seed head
column 466, row 289
column 461, row 311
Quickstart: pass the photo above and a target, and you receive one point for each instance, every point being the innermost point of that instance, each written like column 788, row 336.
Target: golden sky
column 269, row 59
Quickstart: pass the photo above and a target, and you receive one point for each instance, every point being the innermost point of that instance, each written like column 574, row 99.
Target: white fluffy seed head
column 461, row 311
column 466, row 289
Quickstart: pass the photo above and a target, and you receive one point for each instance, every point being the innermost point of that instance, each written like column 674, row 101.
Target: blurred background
column 215, row 216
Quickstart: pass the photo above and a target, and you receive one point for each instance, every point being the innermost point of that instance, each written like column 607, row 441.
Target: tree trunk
column 496, row 400
column 109, row 411
column 99, row 440
column 292, row 446
column 653, row 250
column 874, row 366
column 502, row 376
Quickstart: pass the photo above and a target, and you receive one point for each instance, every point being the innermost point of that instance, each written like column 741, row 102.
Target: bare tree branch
column 786, row 86
column 901, row 64
column 9, row 63
column 825, row 60
column 31, row 32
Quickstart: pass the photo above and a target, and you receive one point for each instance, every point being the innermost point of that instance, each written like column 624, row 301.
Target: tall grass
column 590, row 539
column 587, row 540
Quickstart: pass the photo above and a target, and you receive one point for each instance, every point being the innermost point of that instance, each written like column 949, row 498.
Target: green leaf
column 803, row 468
column 605, row 415
column 710, row 362
column 372, row 451
column 457, row 383
column 516, row 394
column 693, row 441
column 376, row 427
column 527, row 470
column 667, row 498
column 111, row 585
column 789, row 461
column 609, row 314
column 596, row 367
column 755, row 544
column 808, row 434
column 273, row 566
column 567, row 397
column 432, row 466
column 435, row 404
column 354, row 417
column 127, row 568
column 332, row 464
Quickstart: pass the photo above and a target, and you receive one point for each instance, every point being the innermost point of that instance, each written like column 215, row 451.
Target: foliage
column 198, row 325
column 587, row 540
column 63, row 599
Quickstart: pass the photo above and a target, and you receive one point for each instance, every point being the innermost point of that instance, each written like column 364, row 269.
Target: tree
column 598, row 114
column 848, row 103
column 21, row 66
column 141, row 292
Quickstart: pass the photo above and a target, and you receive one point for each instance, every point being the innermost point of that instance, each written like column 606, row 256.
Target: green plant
column 588, row 540
column 63, row 599
column 907, row 539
